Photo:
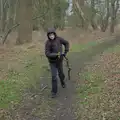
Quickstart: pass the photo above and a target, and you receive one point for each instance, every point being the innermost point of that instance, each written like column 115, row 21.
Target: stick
column 44, row 88
column 68, row 66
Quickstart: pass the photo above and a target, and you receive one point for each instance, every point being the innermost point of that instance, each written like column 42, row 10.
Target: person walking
column 55, row 54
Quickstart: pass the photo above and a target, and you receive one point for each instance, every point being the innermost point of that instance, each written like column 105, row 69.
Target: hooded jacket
column 53, row 47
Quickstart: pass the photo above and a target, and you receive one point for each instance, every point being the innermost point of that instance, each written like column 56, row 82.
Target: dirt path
column 63, row 110
column 78, row 60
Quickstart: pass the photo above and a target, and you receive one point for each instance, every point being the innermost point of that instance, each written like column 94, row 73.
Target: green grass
column 81, row 47
column 88, row 95
column 92, row 81
column 94, row 97
column 26, row 82
column 114, row 49
column 12, row 88
column 92, row 84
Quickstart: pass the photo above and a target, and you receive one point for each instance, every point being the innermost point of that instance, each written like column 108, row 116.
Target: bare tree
column 78, row 5
column 114, row 9
column 105, row 20
column 25, row 21
column 81, row 5
column 94, row 26
column 3, row 15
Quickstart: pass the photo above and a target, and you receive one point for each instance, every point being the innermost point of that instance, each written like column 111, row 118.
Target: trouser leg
column 54, row 77
column 60, row 72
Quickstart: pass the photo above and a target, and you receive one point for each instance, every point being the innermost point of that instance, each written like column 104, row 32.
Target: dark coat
column 53, row 47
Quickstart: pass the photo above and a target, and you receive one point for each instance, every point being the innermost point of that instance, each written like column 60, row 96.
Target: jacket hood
column 51, row 30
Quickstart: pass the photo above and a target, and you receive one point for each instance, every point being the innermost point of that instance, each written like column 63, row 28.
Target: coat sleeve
column 66, row 44
column 48, row 52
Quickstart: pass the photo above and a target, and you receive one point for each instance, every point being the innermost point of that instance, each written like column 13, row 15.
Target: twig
column 38, row 17
column 44, row 88
column 7, row 33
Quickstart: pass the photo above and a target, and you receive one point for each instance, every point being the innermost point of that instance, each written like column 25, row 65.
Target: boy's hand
column 59, row 54
column 63, row 54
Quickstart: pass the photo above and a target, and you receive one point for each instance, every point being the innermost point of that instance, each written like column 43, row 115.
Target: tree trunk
column 104, row 21
column 113, row 14
column 25, row 21
column 80, row 13
column 16, row 11
column 112, row 17
column 10, row 14
column 3, row 16
column 81, row 5
column 81, row 2
column 93, row 24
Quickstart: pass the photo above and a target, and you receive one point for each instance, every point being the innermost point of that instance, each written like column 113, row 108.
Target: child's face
column 52, row 36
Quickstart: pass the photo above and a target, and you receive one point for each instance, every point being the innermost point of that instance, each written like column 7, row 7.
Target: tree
column 17, row 15
column 93, row 13
column 78, row 9
column 105, row 20
column 3, row 15
column 114, row 9
column 25, row 21
column 53, row 11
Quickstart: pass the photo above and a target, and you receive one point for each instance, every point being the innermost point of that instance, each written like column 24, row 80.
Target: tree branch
column 9, row 31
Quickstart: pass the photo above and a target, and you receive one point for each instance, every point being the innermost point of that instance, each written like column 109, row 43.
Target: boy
column 55, row 54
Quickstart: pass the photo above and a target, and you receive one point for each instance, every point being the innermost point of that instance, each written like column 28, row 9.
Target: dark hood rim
column 50, row 33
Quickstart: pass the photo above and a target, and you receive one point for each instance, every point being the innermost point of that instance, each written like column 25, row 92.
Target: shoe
column 53, row 95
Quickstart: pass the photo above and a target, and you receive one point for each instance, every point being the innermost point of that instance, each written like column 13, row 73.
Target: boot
column 53, row 95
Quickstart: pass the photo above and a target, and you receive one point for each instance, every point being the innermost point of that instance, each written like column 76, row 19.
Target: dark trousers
column 57, row 67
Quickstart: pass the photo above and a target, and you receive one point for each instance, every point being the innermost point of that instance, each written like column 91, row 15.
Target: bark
column 3, row 16
column 80, row 5
column 10, row 14
column 81, row 2
column 93, row 24
column 16, row 11
column 104, row 21
column 80, row 13
column 25, row 21
column 113, row 14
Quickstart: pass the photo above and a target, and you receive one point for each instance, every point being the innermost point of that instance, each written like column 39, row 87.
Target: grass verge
column 81, row 47
column 98, row 94
column 12, row 87
column 21, row 82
